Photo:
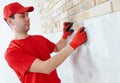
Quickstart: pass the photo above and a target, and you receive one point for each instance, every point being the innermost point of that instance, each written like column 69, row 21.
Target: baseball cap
column 15, row 7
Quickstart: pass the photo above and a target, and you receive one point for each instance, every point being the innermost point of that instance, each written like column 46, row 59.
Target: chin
column 27, row 30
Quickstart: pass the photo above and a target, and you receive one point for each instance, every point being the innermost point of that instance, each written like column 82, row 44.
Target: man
column 29, row 55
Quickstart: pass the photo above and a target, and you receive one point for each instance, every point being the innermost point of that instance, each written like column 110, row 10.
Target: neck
column 20, row 36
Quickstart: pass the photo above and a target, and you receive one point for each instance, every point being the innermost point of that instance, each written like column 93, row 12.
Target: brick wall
column 54, row 12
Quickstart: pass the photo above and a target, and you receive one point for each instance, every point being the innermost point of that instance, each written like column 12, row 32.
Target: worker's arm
column 51, row 64
column 60, row 45
column 66, row 32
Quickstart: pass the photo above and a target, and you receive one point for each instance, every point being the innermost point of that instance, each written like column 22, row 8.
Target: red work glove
column 79, row 38
column 67, row 29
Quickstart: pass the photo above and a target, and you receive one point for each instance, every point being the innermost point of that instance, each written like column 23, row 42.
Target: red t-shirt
column 21, row 54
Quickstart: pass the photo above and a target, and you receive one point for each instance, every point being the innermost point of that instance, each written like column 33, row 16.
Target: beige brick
column 54, row 14
column 57, row 18
column 59, row 4
column 53, row 27
column 116, row 5
column 86, row 4
column 77, row 25
column 60, row 28
column 80, row 16
column 101, row 9
column 58, row 25
column 60, row 10
column 57, row 12
column 64, row 15
column 41, row 3
column 67, row 0
column 67, row 6
column 71, row 18
column 75, row 2
column 45, row 29
column 52, row 3
column 73, row 10
column 50, row 26
column 50, row 11
column 99, row 1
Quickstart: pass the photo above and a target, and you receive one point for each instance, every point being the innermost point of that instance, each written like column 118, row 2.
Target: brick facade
column 54, row 12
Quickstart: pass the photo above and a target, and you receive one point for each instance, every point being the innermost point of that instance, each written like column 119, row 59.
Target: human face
column 21, row 22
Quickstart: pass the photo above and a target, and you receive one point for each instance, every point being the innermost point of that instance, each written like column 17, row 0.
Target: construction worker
column 29, row 55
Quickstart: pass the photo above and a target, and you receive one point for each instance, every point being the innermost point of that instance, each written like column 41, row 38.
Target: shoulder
column 12, row 47
column 11, row 50
column 39, row 37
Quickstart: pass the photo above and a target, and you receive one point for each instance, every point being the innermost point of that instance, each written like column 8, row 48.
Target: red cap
column 15, row 7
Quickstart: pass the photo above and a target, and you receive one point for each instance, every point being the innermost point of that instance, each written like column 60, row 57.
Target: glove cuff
column 73, row 46
column 64, row 36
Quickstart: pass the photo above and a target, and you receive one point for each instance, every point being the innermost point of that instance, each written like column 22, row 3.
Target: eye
column 23, row 15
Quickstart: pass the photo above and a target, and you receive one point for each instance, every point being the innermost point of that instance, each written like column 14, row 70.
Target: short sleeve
column 51, row 46
column 18, row 60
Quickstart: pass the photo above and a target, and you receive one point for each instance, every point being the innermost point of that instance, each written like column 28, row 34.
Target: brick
column 53, row 27
column 50, row 26
column 52, row 3
column 73, row 10
column 101, row 9
column 67, row 0
column 64, row 15
column 77, row 25
column 99, row 1
column 71, row 18
column 45, row 29
column 59, row 4
column 41, row 3
column 60, row 10
column 57, row 25
column 50, row 11
column 60, row 28
column 86, row 4
column 54, row 14
column 116, row 5
column 57, row 18
column 75, row 2
column 67, row 6
column 80, row 16
column 57, row 12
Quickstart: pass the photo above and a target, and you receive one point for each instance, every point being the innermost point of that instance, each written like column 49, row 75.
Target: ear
column 10, row 22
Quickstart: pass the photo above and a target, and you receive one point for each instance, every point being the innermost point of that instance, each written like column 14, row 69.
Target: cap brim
column 25, row 9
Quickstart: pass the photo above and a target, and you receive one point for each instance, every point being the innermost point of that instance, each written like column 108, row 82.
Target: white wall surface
column 97, row 61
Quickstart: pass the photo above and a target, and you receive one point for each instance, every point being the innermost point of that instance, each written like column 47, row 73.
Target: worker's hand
column 79, row 38
column 67, row 29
